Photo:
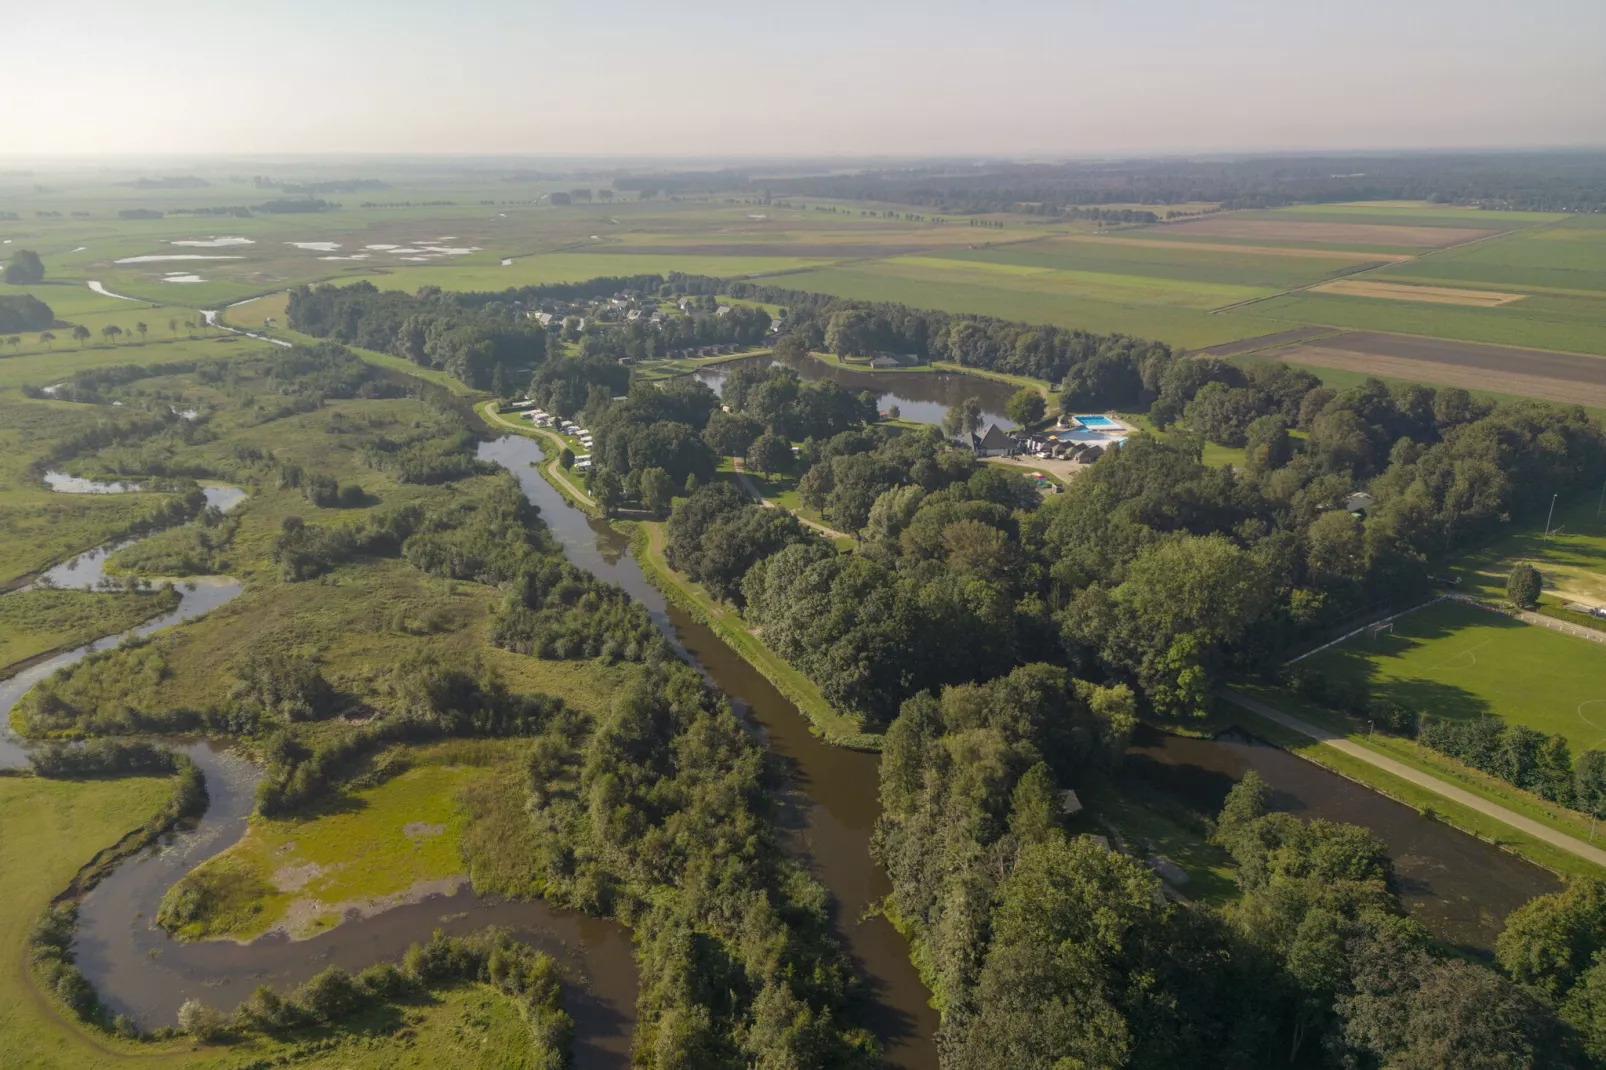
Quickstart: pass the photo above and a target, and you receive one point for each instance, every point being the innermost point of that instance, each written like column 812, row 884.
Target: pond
column 924, row 397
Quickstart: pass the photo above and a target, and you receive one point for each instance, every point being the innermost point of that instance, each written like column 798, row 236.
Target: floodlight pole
column 1552, row 514
column 1602, row 504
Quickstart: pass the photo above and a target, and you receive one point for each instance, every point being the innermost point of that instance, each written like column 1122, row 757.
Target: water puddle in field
column 212, row 243
column 158, row 258
column 316, row 246
column 182, row 278
column 98, row 288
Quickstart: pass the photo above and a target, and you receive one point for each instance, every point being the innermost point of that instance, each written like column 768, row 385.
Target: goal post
column 1375, row 632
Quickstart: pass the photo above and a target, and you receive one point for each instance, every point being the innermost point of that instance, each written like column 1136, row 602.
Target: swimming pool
column 1098, row 423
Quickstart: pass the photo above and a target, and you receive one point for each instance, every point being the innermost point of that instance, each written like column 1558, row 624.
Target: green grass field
column 1176, row 261
column 1458, row 661
column 1568, row 257
column 1032, row 298
column 1543, row 321
column 1571, row 560
column 303, row 872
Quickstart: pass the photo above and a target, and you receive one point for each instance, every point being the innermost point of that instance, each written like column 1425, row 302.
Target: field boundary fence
column 1352, row 633
column 1534, row 618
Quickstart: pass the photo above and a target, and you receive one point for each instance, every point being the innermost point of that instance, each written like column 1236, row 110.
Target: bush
column 1523, row 585
column 200, row 1021
column 330, row 995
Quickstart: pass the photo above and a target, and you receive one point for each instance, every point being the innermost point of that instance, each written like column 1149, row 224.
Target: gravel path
column 1432, row 783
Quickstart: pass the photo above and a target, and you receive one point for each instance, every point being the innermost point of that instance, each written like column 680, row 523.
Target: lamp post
column 1552, row 514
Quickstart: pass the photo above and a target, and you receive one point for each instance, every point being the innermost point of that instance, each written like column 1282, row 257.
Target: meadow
column 1457, row 661
column 303, row 873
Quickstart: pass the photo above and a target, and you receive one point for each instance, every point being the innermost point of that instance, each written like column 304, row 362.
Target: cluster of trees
column 1044, row 949
column 469, row 340
column 638, row 339
column 1555, row 946
column 24, row 269
column 782, row 404
column 1532, row 760
column 530, row 978
column 24, row 312
column 718, row 534
column 662, row 815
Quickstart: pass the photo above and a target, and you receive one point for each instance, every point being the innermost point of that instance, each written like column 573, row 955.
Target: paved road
column 752, row 489
column 1424, row 780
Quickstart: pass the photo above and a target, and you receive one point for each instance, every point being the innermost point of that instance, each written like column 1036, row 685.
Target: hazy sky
column 628, row 77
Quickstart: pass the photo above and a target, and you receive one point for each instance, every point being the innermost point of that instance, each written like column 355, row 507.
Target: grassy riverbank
column 34, row 623
column 1421, row 799
column 361, row 851
column 825, row 722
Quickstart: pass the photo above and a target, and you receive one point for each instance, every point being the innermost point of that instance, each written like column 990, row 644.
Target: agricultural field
column 1457, row 661
column 1526, row 280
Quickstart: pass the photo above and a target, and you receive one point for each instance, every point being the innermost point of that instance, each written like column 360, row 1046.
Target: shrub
column 200, row 1021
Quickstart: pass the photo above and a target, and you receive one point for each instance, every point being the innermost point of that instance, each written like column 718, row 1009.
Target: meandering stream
column 1457, row 885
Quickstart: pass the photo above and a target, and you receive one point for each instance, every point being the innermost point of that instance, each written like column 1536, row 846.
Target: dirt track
column 1564, row 377
column 1433, row 295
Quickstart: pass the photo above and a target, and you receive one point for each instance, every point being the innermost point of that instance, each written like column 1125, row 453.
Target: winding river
column 1459, row 886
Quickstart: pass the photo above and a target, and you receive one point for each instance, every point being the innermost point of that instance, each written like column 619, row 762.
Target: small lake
column 924, row 397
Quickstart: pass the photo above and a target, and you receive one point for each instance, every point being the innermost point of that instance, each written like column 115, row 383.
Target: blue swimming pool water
column 1097, row 422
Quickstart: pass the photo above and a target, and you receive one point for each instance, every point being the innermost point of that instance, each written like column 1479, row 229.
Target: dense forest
column 1533, row 181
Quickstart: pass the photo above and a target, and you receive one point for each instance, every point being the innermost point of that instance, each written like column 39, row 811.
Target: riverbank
column 647, row 543
column 1509, row 818
column 551, row 468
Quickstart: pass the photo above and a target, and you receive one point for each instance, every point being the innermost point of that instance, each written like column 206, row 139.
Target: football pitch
column 1459, row 661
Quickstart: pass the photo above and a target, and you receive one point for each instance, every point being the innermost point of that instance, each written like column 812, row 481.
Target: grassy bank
column 34, row 623
column 1421, row 799
column 551, row 469
column 825, row 722
column 360, row 851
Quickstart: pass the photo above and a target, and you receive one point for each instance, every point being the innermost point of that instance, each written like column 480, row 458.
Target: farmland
column 1527, row 280
column 1457, row 661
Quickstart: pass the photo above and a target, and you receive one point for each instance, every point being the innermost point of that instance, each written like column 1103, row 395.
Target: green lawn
column 1571, row 560
column 1458, row 661
column 1177, row 261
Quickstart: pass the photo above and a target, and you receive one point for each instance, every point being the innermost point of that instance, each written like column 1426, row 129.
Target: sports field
column 1571, row 559
column 1458, row 661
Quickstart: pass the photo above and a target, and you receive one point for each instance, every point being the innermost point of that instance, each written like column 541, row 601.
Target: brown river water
column 1460, row 887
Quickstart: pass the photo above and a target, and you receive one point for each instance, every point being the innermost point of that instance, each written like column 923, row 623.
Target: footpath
column 752, row 489
column 1561, row 840
column 555, row 470
column 1536, row 618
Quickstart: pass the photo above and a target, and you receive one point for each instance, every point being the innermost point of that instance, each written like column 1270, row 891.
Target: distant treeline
column 313, row 189
column 1536, row 181
column 281, row 206
column 169, row 182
